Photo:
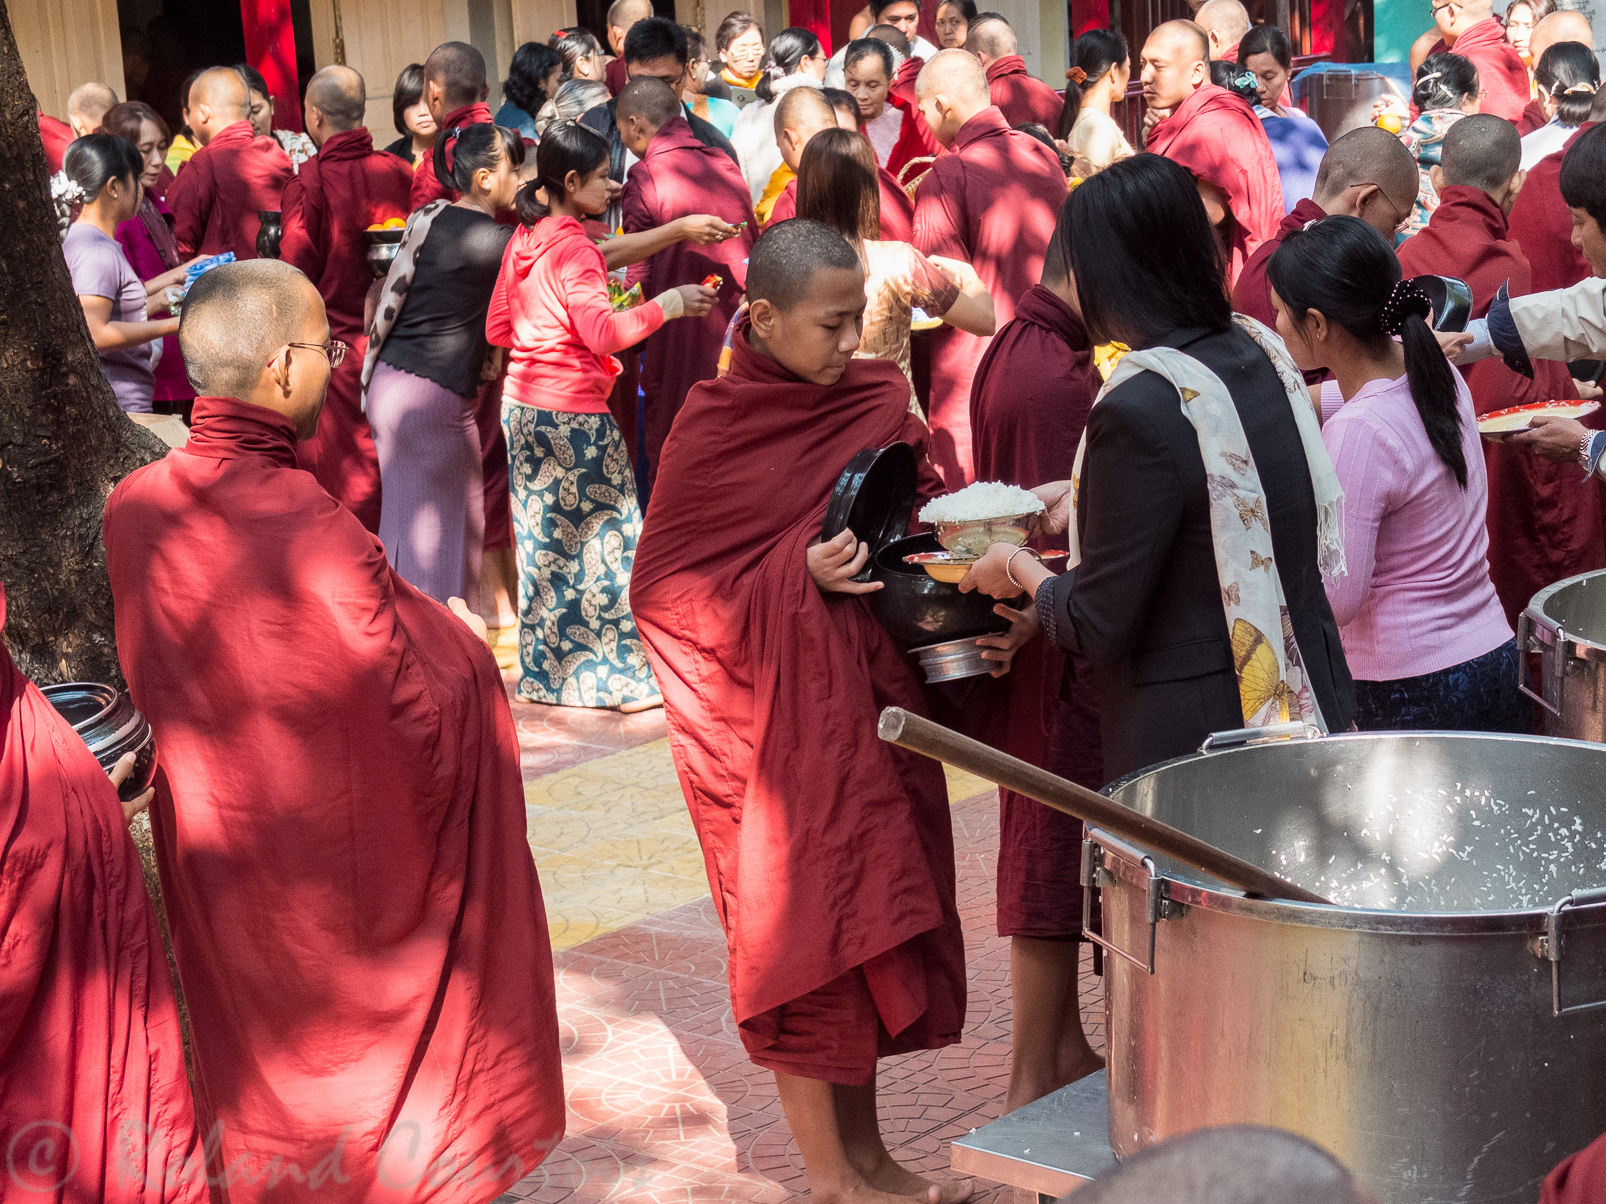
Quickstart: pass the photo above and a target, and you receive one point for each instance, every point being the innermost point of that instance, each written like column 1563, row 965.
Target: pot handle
column 1525, row 632
column 1550, row 945
column 1296, row 728
column 1159, row 902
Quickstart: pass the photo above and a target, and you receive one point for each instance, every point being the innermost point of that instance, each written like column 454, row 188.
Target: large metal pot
column 1434, row 1027
column 1566, row 624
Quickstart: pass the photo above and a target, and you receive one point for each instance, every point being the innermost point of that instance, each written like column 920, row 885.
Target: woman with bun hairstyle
column 1446, row 90
column 795, row 60
column 1423, row 630
column 1100, row 69
column 1567, row 78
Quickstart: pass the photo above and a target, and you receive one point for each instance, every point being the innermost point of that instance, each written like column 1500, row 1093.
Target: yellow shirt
column 179, row 151
column 779, row 179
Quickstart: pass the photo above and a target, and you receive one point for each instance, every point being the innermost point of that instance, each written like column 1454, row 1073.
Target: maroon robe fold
column 993, row 201
column 897, row 210
column 341, row 191
column 339, row 826
column 677, row 177
column 1543, row 226
column 1026, row 426
column 1532, row 118
column 1020, row 96
column 1544, row 519
column 216, row 198
column 94, row 1104
column 1502, row 75
column 829, row 852
column 1216, row 136
column 57, row 136
column 426, row 187
column 1579, row 1178
column 915, row 139
column 903, row 81
column 1252, row 293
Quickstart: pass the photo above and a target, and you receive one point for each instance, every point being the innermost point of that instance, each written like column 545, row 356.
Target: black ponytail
column 565, row 146
column 95, row 158
column 475, row 148
column 1092, row 54
column 788, row 49
column 1569, row 73
column 1444, row 81
column 1344, row 270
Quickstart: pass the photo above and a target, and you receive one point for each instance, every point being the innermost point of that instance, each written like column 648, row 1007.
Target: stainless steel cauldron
column 1433, row 1028
column 1566, row 624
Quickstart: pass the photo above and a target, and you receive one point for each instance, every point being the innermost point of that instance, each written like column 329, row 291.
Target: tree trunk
column 64, row 443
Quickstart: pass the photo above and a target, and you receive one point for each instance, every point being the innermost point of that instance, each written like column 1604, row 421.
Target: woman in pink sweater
column 1423, row 630
column 575, row 515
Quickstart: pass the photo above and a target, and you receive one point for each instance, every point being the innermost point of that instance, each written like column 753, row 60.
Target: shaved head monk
column 339, row 817
column 1470, row 28
column 341, row 191
column 1216, row 136
column 992, row 202
column 455, row 90
column 802, row 113
column 235, row 174
column 677, row 177
column 623, row 16
column 1225, row 22
column 1366, row 173
column 830, row 858
column 1020, row 96
column 87, row 105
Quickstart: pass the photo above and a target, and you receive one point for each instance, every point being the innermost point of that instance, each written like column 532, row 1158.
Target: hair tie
column 1305, row 229
column 1428, row 78
column 1587, row 89
column 64, row 188
column 452, row 135
column 558, row 33
column 1076, row 75
column 1404, row 299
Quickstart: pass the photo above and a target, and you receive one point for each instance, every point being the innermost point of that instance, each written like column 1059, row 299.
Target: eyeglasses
column 334, row 349
column 1400, row 221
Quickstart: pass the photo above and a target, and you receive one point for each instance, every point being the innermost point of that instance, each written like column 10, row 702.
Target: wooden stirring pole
column 920, row 735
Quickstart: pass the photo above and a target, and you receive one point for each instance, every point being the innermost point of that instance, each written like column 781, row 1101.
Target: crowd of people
column 622, row 338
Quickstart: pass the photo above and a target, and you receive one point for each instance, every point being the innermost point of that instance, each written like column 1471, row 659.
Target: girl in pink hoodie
column 575, row 514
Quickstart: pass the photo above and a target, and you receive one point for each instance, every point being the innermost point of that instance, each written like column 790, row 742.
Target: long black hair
column 574, row 43
column 1267, row 39
column 1344, row 269
column 475, row 147
column 1570, row 73
column 95, row 158
column 565, row 146
column 527, row 73
column 1145, row 259
column 786, row 50
column 1093, row 53
column 1444, row 81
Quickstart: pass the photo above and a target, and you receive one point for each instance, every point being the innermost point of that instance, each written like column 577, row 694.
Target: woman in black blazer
column 1145, row 603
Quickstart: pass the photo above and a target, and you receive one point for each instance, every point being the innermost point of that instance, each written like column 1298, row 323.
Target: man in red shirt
column 341, row 191
column 1020, row 97
column 455, row 91
column 993, row 202
column 1470, row 28
column 56, row 136
column 233, row 177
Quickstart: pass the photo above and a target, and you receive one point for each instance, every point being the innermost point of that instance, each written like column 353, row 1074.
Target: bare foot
column 856, row 1192
column 641, row 704
column 889, row 1176
column 1085, row 1063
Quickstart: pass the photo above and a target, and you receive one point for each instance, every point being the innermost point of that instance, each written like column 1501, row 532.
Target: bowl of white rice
column 970, row 520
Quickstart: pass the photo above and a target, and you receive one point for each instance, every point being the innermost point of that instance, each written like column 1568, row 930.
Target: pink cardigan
column 550, row 308
column 1417, row 597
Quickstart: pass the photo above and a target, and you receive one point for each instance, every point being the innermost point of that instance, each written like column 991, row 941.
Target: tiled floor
column 663, row 1105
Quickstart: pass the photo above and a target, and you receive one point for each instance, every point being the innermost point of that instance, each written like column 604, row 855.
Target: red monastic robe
column 1579, row 1178
column 829, row 852
column 216, row 198
column 615, row 76
column 993, row 201
column 1532, row 118
column 679, row 176
column 915, row 139
column 1026, row 425
column 426, row 187
column 1502, row 74
column 94, row 1104
column 339, row 826
column 57, row 136
column 1543, row 226
column 1252, row 293
column 1544, row 518
column 343, row 189
column 1216, row 136
column 903, row 82
column 1021, row 97
column 897, row 210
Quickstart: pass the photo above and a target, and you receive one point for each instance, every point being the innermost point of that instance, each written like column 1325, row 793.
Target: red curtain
column 1327, row 28
column 1089, row 14
column 270, row 47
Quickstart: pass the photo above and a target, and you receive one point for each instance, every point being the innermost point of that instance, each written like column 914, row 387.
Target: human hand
column 833, row 563
column 615, row 190
column 1553, row 439
column 696, row 300
column 1587, row 390
column 704, row 228
column 140, row 802
column 470, row 620
column 1453, row 343
column 1151, row 118
column 990, row 573
column 957, row 270
column 1023, row 625
column 1056, row 496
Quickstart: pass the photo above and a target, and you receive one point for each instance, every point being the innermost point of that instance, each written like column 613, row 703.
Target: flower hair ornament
column 452, row 135
column 64, row 188
column 1076, row 75
column 1404, row 299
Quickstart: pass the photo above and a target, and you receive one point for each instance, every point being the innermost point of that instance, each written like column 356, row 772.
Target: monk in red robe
column 455, row 89
column 677, row 177
column 1544, row 519
column 94, row 1104
column 1473, row 31
column 1022, row 98
column 622, row 17
column 804, row 112
column 1026, row 426
column 339, row 815
column 1225, row 22
column 341, row 191
column 1216, row 136
column 1579, row 1178
column 829, row 853
column 57, row 136
column 233, row 177
column 1543, row 227
column 991, row 202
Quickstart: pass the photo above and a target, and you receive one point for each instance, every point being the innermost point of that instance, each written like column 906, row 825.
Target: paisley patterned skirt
column 575, row 526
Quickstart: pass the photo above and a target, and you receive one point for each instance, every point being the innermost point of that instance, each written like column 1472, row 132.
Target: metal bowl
column 382, row 248
column 974, row 537
column 108, row 722
column 921, row 610
column 953, row 661
column 1451, row 298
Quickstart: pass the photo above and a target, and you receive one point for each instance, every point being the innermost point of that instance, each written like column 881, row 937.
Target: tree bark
column 64, row 443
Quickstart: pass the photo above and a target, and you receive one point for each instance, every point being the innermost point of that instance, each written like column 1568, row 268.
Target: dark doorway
column 593, row 15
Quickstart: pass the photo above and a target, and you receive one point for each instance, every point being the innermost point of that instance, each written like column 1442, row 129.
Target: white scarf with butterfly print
column 1272, row 684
